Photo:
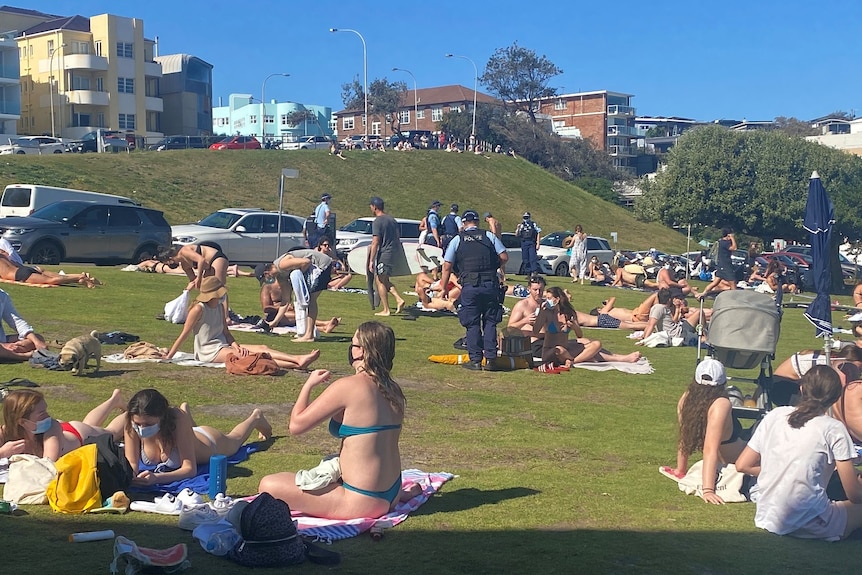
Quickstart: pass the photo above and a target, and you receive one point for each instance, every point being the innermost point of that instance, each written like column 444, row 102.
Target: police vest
column 450, row 227
column 527, row 231
column 476, row 259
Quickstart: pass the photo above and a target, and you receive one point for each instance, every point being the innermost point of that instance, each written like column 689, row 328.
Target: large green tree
column 519, row 78
column 384, row 99
column 756, row 182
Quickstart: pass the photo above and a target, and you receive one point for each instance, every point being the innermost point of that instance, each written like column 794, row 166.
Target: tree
column 793, row 127
column 353, row 95
column 297, row 117
column 458, row 125
column 384, row 100
column 519, row 78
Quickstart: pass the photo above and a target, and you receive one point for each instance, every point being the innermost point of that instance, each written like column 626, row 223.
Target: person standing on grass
column 578, row 259
column 385, row 250
column 794, row 453
column 432, row 225
column 528, row 232
column 725, row 276
column 321, row 221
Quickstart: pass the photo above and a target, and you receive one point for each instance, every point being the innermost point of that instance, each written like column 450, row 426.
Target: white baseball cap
column 710, row 372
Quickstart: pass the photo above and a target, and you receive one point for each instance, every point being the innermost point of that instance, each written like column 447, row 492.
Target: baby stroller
column 743, row 334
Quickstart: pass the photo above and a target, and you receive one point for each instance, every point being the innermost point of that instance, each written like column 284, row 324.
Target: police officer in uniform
column 528, row 232
column 477, row 255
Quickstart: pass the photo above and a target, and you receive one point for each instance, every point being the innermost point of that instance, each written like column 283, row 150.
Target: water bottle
column 218, row 476
column 221, row 542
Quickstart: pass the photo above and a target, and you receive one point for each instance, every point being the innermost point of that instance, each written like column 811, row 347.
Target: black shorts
column 24, row 272
column 536, row 347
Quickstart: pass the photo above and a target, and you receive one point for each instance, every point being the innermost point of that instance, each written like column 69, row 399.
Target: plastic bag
column 177, row 309
column 29, row 477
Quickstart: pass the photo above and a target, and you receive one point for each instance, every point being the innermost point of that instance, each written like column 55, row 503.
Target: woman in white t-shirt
column 793, row 453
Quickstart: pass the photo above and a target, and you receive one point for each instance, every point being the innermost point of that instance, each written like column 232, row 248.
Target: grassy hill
column 188, row 184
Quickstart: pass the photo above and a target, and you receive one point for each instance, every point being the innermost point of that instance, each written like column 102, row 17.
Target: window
column 100, row 120
column 125, row 50
column 268, row 119
column 454, row 110
column 282, row 119
column 252, row 119
column 404, row 116
column 126, row 85
column 559, row 104
column 420, row 114
column 436, row 114
column 127, row 122
column 80, row 47
column 100, row 84
column 50, row 47
column 123, row 217
column 375, row 128
column 98, row 47
column 80, row 82
column 347, row 123
column 254, row 224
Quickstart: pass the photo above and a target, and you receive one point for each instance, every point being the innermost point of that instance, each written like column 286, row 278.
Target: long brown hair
column 378, row 346
column 18, row 405
column 821, row 387
column 693, row 415
column 151, row 403
column 565, row 306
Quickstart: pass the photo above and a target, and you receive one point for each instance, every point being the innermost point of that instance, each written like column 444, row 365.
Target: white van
column 24, row 199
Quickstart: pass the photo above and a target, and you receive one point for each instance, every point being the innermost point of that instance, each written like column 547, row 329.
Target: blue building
column 10, row 85
column 242, row 116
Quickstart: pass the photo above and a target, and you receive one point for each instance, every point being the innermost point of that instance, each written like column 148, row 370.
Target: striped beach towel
column 333, row 529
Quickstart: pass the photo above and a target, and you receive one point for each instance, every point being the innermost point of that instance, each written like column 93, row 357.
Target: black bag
column 115, row 473
column 270, row 538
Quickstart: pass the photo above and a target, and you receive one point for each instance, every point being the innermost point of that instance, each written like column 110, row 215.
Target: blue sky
column 701, row 59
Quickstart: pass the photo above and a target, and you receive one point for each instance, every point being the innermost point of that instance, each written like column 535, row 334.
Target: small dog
column 77, row 352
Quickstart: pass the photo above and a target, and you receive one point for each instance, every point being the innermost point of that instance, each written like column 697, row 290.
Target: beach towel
column 200, row 482
column 181, row 358
column 250, row 327
column 27, row 285
column 640, row 367
column 334, row 529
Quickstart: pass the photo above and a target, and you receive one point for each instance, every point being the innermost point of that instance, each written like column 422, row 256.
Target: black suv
column 78, row 231
column 182, row 143
column 112, row 140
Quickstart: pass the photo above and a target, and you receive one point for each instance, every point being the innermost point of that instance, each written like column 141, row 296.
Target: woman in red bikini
column 28, row 428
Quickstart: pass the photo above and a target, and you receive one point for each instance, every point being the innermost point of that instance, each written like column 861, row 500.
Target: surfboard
column 415, row 258
column 373, row 296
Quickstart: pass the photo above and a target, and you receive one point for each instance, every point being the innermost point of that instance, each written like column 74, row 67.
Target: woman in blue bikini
column 166, row 437
column 365, row 411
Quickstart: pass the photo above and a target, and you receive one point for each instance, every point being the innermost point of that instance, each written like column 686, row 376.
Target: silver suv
column 309, row 143
column 552, row 251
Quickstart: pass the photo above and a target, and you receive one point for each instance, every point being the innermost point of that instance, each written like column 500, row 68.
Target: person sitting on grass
column 786, row 377
column 632, row 276
column 794, row 453
column 168, row 438
column 665, row 279
column 707, row 424
column 29, row 428
column 556, row 319
column 20, row 346
column 271, row 300
column 214, row 343
column 365, row 411
column 12, row 272
column 672, row 316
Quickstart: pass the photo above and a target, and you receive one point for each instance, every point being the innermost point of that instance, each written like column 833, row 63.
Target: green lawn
column 556, row 473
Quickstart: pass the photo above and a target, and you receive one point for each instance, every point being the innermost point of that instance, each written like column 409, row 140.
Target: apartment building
column 605, row 118
column 421, row 109
column 186, row 89
column 10, row 85
column 246, row 116
column 78, row 74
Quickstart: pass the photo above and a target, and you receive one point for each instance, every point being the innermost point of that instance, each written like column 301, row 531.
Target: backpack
column 115, row 472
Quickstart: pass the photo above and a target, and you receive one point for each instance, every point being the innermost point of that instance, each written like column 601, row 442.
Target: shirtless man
column 271, row 301
column 10, row 271
column 608, row 321
column 666, row 280
column 524, row 313
column 623, row 278
column 639, row 314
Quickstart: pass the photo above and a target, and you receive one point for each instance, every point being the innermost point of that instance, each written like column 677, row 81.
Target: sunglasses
column 325, row 245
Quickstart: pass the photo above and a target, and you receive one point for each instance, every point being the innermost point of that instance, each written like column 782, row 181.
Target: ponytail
column 821, row 387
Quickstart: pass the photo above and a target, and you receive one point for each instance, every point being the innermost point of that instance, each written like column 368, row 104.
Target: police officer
column 321, row 221
column 477, row 255
column 528, row 232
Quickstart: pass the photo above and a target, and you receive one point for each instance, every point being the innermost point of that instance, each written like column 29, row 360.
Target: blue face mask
column 269, row 280
column 145, row 431
column 43, row 425
column 549, row 303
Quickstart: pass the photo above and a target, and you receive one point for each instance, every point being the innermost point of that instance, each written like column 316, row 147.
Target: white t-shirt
column 13, row 255
column 796, row 465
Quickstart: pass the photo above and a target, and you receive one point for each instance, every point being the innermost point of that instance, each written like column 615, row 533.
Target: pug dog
column 77, row 352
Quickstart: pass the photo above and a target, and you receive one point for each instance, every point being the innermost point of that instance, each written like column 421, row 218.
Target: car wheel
column 20, row 152
column 144, row 253
column 562, row 270
column 58, row 151
column 46, row 253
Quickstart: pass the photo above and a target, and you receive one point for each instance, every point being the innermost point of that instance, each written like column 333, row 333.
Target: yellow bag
column 76, row 487
column 505, row 363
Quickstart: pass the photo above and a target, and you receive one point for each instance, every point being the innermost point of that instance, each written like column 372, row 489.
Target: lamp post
column 364, row 73
column 51, row 85
column 475, row 89
column 263, row 104
column 415, row 98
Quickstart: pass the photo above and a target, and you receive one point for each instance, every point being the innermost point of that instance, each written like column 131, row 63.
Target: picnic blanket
column 640, row 367
column 250, row 327
column 25, row 284
column 333, row 529
column 181, row 358
column 200, row 482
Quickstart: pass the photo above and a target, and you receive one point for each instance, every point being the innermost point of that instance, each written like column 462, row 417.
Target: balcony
column 154, row 104
column 83, row 62
column 88, row 97
column 626, row 131
column 621, row 111
column 153, row 69
column 619, row 151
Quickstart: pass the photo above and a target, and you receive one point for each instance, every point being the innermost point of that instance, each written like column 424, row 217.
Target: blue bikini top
column 339, row 430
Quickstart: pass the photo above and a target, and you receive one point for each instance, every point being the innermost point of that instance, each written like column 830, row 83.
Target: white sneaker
column 222, row 504
column 193, row 516
column 165, row 505
column 189, row 497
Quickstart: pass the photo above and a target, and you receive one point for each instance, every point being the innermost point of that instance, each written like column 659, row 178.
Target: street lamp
column 365, row 72
column 475, row 88
column 51, row 85
column 415, row 98
column 263, row 104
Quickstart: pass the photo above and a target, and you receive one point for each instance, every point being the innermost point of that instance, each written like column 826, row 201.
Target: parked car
column 247, row 236
column 552, row 251
column 180, row 143
column 358, row 233
column 850, row 269
column 112, row 141
column 309, row 143
column 237, row 143
column 85, row 231
column 20, row 146
column 48, row 144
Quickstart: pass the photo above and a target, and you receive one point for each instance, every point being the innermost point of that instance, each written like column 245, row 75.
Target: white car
column 309, row 143
column 358, row 233
column 512, row 243
column 553, row 253
column 247, row 236
column 21, row 146
column 48, row 144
